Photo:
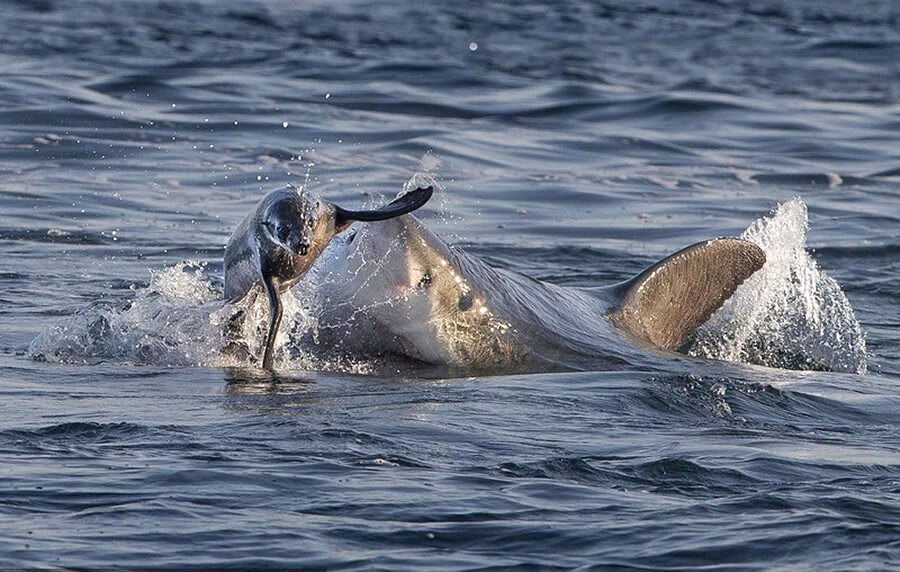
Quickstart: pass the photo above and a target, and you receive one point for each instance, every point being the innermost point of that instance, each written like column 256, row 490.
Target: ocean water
column 573, row 142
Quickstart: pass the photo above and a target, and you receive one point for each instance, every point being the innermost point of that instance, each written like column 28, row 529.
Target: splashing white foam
column 420, row 179
column 166, row 323
column 184, row 281
column 179, row 320
column 790, row 314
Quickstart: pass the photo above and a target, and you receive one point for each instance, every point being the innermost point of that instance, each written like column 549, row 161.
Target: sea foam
column 790, row 314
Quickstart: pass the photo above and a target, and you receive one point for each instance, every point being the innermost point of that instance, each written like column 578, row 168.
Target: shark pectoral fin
column 399, row 206
column 667, row 302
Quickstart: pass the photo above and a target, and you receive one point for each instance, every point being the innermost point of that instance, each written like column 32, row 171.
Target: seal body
column 280, row 238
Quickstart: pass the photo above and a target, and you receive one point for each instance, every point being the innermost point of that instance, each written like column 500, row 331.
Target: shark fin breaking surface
column 666, row 303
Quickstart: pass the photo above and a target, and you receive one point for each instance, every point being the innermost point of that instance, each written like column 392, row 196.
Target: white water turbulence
column 790, row 314
column 177, row 320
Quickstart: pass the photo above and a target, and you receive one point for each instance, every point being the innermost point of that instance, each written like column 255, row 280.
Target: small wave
column 565, row 468
column 848, row 44
column 748, row 404
column 85, row 437
column 831, row 180
column 790, row 314
column 391, row 461
column 700, row 399
column 673, row 474
column 77, row 431
column 668, row 474
column 55, row 236
column 260, row 18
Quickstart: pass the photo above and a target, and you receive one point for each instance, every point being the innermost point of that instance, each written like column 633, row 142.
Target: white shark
column 395, row 287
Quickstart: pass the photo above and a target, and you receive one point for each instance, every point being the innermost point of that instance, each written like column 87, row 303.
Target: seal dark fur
column 276, row 244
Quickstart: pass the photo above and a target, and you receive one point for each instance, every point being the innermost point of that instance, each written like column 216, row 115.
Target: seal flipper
column 667, row 302
column 275, row 311
column 399, row 206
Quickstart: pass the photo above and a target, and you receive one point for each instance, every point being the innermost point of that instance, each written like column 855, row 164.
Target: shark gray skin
column 394, row 287
column 274, row 246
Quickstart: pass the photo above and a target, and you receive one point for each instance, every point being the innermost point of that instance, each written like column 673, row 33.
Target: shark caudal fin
column 667, row 302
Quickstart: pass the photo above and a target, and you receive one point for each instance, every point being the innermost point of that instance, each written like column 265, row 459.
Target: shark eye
column 466, row 301
column 424, row 281
column 283, row 232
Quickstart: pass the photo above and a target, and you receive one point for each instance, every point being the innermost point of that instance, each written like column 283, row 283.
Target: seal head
column 291, row 223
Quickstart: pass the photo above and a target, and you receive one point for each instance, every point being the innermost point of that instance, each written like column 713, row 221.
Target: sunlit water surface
column 573, row 142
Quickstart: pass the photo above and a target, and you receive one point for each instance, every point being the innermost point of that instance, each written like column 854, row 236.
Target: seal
column 276, row 244
column 395, row 287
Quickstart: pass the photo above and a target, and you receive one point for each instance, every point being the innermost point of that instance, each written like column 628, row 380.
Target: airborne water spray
column 790, row 314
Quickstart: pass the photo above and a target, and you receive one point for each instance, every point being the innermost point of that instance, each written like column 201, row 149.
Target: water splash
column 177, row 320
column 790, row 314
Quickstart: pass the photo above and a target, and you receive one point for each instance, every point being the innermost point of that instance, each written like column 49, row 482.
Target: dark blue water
column 576, row 143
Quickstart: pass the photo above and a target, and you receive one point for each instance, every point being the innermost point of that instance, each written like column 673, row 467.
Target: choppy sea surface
column 573, row 142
